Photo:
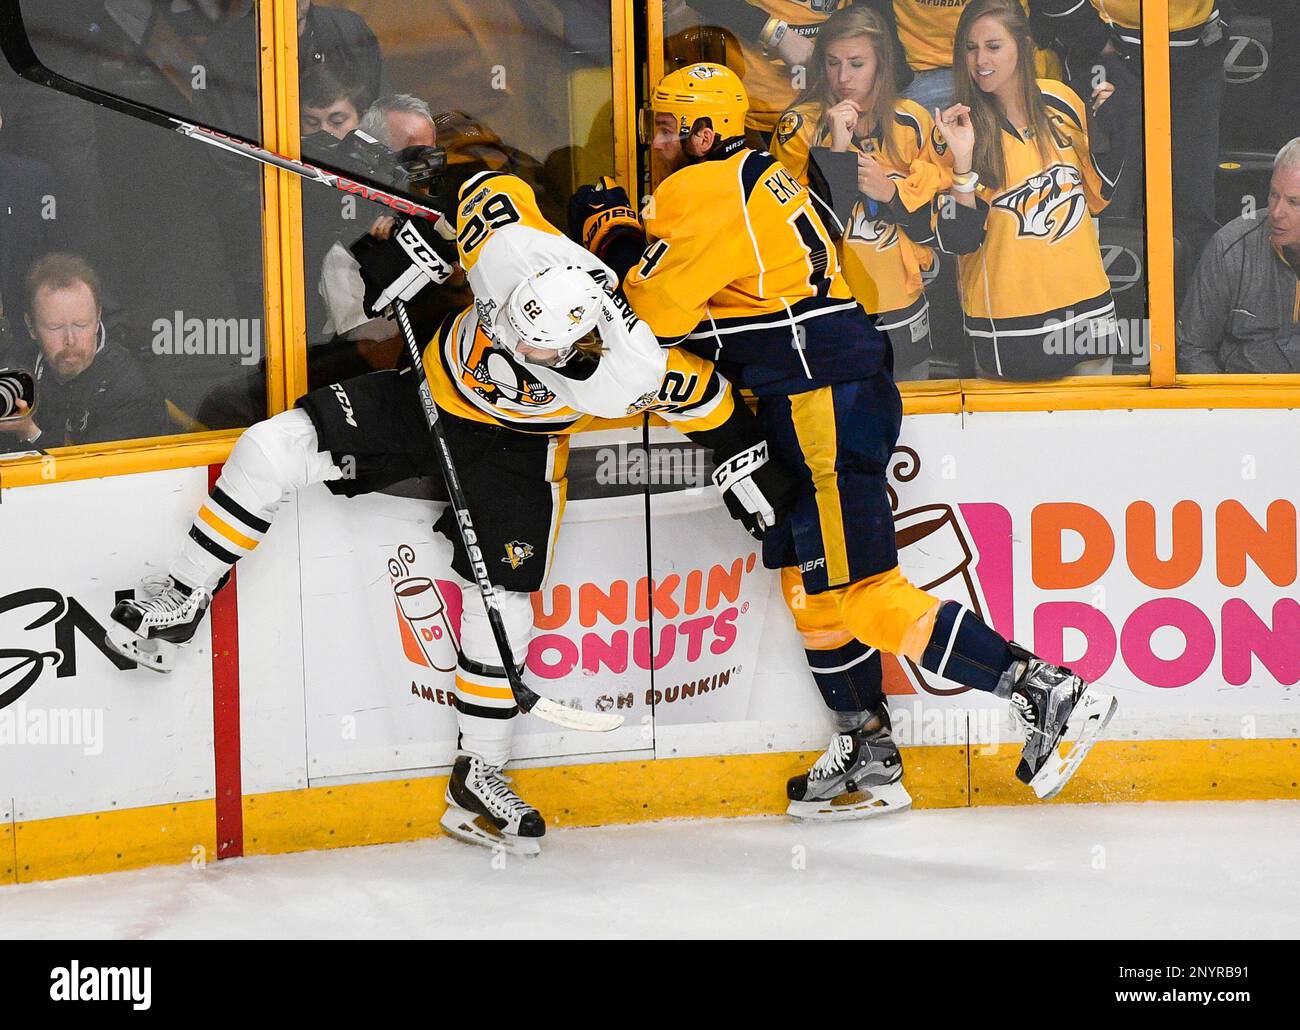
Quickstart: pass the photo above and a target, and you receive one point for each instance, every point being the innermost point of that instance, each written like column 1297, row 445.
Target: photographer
column 88, row 389
column 403, row 132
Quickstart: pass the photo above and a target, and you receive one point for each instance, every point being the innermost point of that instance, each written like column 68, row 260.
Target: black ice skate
column 483, row 809
column 1045, row 701
column 860, row 775
column 150, row 631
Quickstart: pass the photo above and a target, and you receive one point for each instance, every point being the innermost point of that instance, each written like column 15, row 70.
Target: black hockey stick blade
column 17, row 48
column 525, row 697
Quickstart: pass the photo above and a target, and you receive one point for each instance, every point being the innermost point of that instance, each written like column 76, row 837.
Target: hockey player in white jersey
column 546, row 348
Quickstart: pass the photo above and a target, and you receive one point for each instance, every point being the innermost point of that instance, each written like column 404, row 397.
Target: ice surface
column 1227, row 869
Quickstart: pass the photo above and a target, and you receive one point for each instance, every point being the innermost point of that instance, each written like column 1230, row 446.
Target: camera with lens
column 417, row 169
column 16, row 385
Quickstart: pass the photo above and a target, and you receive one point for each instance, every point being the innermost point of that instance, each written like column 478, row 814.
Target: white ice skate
column 483, row 809
column 1046, row 701
column 860, row 775
column 151, row 631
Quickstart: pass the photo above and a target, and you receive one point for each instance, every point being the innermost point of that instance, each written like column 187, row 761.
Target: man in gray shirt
column 1242, row 313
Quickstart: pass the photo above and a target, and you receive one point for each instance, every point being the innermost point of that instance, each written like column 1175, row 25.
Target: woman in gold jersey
column 1035, row 296
column 851, row 108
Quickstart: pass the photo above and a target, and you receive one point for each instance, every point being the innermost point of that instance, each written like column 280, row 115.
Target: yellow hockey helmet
column 702, row 90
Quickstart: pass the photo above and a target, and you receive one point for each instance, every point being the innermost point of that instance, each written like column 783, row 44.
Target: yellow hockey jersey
column 1187, row 19
column 1032, row 267
column 928, row 29
column 502, row 238
column 740, row 267
column 882, row 254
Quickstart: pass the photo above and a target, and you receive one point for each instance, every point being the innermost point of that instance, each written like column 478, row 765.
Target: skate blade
column 1096, row 710
column 861, row 804
column 475, row 829
column 154, row 655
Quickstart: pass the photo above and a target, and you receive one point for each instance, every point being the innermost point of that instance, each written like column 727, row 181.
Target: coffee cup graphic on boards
column 423, row 613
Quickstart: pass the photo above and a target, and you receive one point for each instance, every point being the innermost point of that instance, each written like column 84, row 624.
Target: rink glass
column 172, row 229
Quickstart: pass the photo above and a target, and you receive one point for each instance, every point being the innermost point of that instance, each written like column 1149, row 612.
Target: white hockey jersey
column 503, row 238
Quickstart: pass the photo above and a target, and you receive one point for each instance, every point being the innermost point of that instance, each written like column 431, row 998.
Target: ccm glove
column 600, row 213
column 398, row 268
column 758, row 491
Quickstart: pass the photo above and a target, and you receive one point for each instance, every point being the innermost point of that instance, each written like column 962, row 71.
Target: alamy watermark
column 1105, row 336
column 209, row 336
column 631, row 464
column 21, row 726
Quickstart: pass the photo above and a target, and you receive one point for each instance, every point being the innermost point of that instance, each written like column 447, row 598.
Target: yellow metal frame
column 284, row 279
column 622, row 30
column 282, row 261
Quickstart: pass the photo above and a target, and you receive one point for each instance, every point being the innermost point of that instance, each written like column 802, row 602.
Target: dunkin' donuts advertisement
column 1176, row 593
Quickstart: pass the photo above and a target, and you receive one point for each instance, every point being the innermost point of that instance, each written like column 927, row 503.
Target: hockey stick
column 17, row 48
column 527, row 699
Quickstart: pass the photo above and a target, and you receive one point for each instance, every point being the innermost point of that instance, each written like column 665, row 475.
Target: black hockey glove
column 600, row 213
column 757, row 489
column 413, row 257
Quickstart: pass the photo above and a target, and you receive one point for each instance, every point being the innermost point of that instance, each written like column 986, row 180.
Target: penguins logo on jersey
column 517, row 552
column 1049, row 206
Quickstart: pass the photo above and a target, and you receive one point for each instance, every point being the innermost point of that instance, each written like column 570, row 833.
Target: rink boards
column 1151, row 549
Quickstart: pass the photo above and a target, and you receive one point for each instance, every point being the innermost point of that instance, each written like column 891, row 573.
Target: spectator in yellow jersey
column 776, row 41
column 925, row 30
column 872, row 151
column 1035, row 296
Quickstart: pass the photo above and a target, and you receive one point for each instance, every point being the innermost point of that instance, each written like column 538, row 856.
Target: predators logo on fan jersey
column 883, row 251
column 1048, row 206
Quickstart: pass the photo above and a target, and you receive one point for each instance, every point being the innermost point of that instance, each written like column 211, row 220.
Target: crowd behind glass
column 992, row 221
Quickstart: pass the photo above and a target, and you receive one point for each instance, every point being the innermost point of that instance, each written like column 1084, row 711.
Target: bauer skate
column 860, row 775
column 483, row 809
column 1045, row 701
column 151, row 631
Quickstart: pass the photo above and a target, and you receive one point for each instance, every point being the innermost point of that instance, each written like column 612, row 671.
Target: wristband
column 773, row 32
column 967, row 183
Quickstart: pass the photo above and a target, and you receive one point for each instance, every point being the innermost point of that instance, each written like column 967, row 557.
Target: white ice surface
column 1151, row 870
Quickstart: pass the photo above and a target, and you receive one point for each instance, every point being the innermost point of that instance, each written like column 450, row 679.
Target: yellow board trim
column 607, row 793
column 1154, row 770
column 8, row 854
column 109, row 842
column 95, row 461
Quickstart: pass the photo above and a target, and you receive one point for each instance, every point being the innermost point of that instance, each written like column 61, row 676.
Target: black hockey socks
column 963, row 649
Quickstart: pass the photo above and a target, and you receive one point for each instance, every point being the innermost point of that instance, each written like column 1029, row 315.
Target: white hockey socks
column 270, row 459
column 485, row 707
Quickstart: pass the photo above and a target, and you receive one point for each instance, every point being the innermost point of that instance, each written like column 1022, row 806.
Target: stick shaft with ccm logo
column 527, row 699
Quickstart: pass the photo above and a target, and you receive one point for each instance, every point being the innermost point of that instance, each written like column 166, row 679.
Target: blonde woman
column 872, row 152
column 1035, row 296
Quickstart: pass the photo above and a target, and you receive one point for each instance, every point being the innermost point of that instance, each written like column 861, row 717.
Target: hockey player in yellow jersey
column 873, row 153
column 546, row 347
column 737, row 265
column 1035, row 295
